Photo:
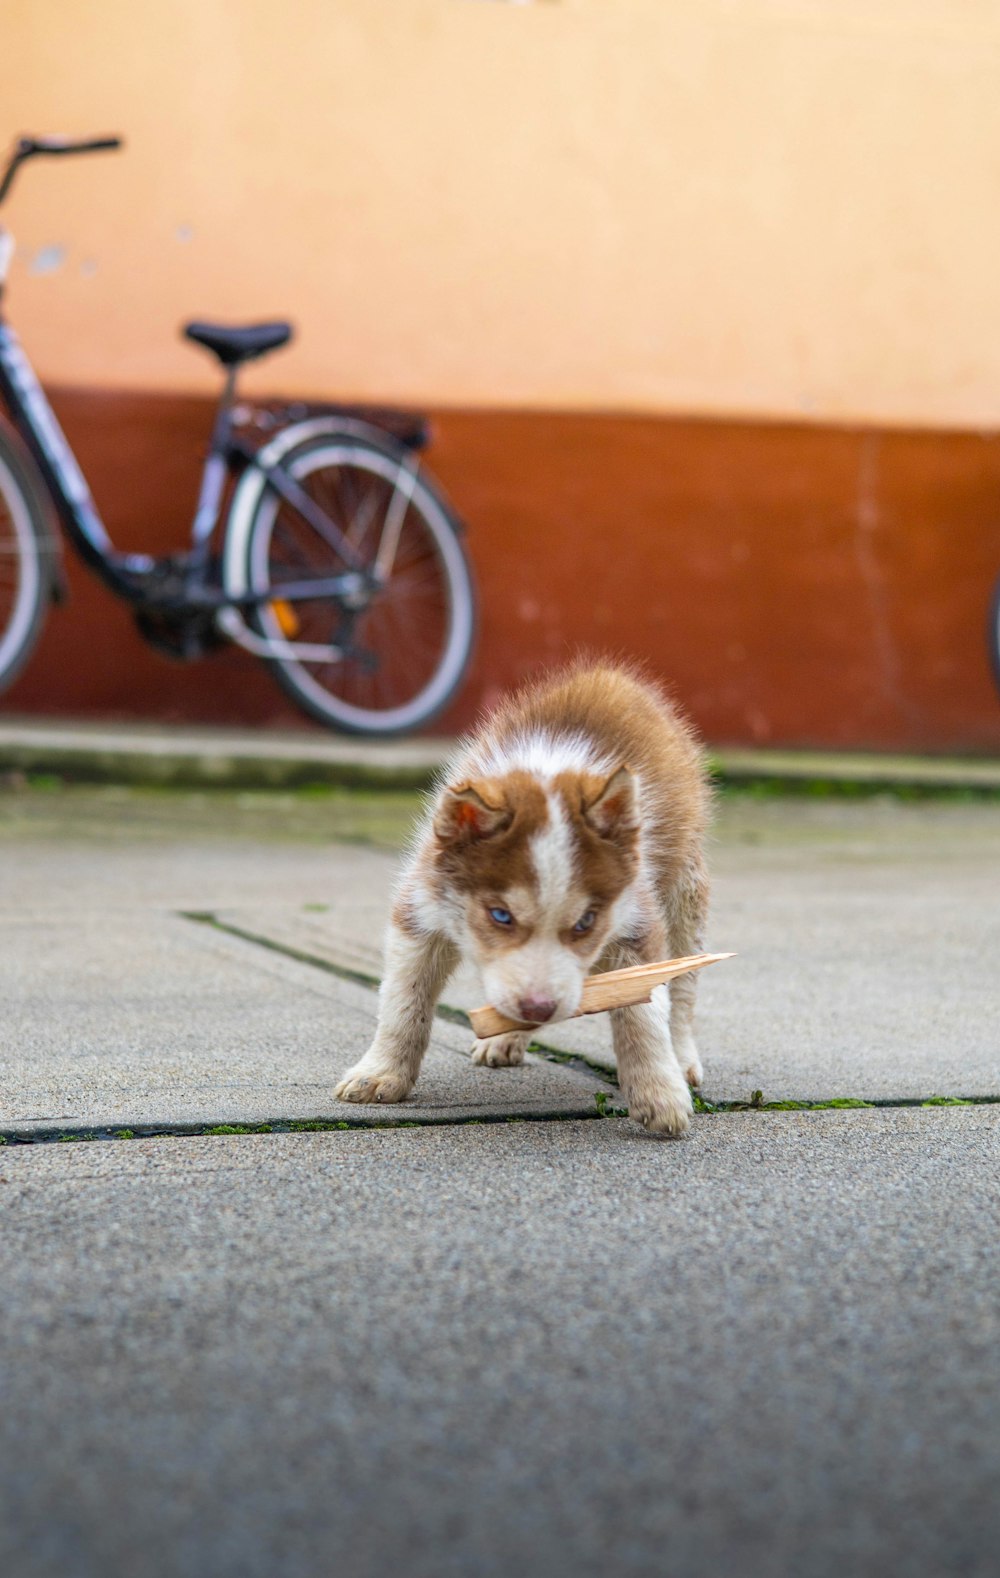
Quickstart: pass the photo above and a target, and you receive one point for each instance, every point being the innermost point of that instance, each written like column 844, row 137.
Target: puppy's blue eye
column 584, row 923
column 501, row 916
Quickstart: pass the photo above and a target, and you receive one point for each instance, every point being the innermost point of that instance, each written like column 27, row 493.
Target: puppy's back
column 610, row 715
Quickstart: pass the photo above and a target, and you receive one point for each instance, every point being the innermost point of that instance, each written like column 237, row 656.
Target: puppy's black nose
column 535, row 1010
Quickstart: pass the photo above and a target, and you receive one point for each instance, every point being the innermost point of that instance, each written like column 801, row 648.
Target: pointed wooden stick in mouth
column 613, row 989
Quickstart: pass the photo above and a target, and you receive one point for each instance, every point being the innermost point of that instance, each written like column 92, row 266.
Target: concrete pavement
column 867, row 935
column 550, row 1350
column 545, row 1346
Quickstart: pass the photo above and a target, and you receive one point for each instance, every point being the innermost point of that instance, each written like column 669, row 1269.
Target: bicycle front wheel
column 404, row 649
column 24, row 566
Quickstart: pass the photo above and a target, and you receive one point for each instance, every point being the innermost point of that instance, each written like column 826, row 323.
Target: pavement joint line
column 344, row 972
column 838, row 1103
column 454, row 1016
column 153, row 1131
column 602, row 1109
column 576, row 1061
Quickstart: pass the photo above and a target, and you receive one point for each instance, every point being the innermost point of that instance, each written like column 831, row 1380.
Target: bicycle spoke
column 393, row 526
column 362, row 518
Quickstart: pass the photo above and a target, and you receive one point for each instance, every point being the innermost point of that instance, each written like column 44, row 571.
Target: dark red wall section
column 793, row 584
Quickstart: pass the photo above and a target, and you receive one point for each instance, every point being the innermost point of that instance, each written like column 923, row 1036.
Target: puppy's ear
column 613, row 811
column 465, row 814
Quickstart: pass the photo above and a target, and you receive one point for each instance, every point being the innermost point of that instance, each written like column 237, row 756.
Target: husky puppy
column 567, row 835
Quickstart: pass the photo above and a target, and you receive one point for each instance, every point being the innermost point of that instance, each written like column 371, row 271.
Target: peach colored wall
column 760, row 207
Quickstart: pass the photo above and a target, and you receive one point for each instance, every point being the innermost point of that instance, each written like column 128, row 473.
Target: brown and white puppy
column 567, row 835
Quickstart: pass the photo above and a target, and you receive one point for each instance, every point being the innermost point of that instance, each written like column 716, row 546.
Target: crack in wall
column 888, row 664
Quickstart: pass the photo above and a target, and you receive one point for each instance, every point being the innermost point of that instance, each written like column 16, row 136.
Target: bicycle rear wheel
column 24, row 564
column 404, row 647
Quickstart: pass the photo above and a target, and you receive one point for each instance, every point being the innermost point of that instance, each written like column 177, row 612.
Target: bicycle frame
column 347, row 474
column 35, row 420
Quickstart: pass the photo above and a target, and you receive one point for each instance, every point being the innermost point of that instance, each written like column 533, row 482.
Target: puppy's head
column 536, row 871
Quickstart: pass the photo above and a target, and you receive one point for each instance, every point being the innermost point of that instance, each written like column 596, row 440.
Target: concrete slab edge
column 817, row 772
column 237, row 759
column 206, row 770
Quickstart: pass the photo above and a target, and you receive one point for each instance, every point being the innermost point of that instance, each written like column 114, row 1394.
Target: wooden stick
column 613, row 989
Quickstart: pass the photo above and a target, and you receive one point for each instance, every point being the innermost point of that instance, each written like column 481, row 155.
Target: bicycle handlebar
column 28, row 147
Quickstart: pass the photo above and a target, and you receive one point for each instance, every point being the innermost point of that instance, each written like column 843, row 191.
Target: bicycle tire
column 426, row 653
column 26, row 544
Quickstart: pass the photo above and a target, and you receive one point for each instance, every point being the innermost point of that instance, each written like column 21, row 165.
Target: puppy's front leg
column 417, row 964
column 649, row 1073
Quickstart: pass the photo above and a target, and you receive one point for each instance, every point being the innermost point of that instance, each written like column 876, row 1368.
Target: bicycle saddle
column 239, row 345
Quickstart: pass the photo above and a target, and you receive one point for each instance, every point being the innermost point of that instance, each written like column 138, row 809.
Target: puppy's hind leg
column 686, row 912
column 417, row 964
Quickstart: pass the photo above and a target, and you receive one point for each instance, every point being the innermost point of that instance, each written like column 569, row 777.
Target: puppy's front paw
column 662, row 1110
column 501, row 1051
column 367, row 1084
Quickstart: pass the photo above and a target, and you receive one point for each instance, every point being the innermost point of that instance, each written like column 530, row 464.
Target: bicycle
column 318, row 543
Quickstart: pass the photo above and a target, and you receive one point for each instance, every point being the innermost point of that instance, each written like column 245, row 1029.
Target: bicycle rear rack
column 408, row 428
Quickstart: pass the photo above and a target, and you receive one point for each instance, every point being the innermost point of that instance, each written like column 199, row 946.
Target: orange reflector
column 286, row 616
